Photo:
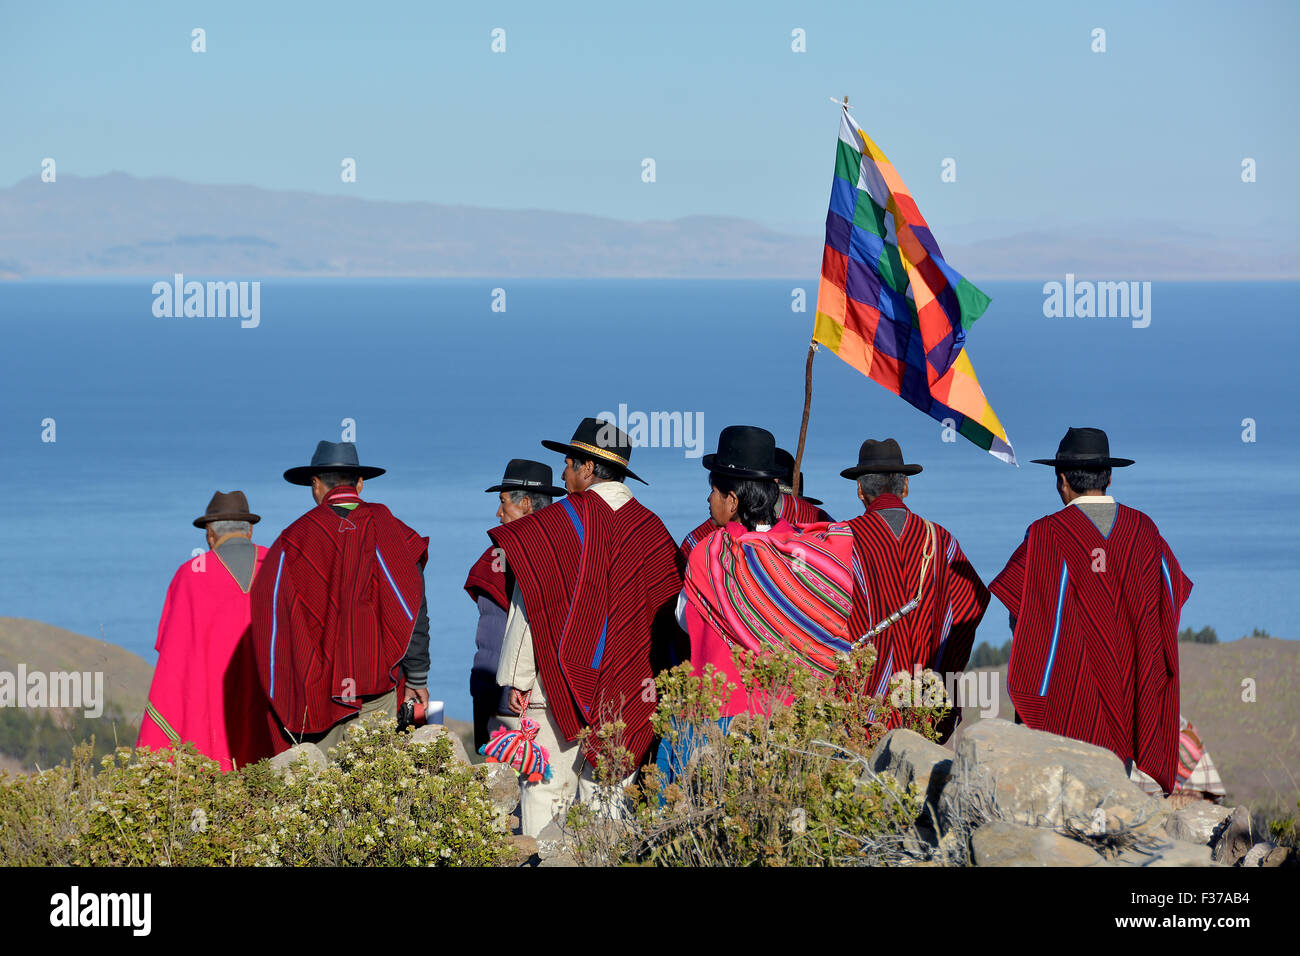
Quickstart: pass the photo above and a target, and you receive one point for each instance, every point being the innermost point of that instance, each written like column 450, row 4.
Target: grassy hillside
column 42, row 647
column 1256, row 745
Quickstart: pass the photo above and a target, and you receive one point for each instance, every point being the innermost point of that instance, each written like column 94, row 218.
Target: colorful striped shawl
column 787, row 588
column 1094, row 654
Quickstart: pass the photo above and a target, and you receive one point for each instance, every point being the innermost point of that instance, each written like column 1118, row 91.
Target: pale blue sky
column 1042, row 128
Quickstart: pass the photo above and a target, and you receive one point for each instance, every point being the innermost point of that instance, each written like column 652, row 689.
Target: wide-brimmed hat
column 227, row 506
column 523, row 474
column 744, row 451
column 332, row 456
column 785, row 461
column 1086, row 449
column 597, row 439
column 880, row 458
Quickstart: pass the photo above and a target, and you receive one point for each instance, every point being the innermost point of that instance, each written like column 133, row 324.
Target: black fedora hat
column 523, row 474
column 594, row 438
column 332, row 456
column 744, row 451
column 880, row 458
column 1085, row 449
column 227, row 506
column 785, row 461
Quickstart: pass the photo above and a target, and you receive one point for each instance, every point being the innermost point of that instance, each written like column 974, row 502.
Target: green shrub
column 388, row 801
column 1205, row 635
column 787, row 785
column 986, row 655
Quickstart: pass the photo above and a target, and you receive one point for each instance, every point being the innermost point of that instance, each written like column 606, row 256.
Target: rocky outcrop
column 1012, row 796
column 430, row 733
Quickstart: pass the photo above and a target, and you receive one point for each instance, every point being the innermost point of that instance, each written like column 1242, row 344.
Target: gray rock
column 913, row 759
column 1232, row 840
column 503, row 789
column 553, row 846
column 1196, row 822
column 1281, row 856
column 1174, row 853
column 1012, row 844
column 431, row 732
column 1006, row 771
column 1256, row 854
column 315, row 757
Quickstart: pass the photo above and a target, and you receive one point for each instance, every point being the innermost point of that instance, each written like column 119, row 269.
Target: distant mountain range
column 121, row 225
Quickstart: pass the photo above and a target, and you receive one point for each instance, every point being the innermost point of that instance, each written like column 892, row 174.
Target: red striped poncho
column 1094, row 653
column 801, row 511
column 597, row 585
column 487, row 578
column 334, row 607
column 939, row 632
column 795, row 511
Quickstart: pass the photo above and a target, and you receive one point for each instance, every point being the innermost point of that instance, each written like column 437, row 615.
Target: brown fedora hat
column 227, row 506
column 880, row 458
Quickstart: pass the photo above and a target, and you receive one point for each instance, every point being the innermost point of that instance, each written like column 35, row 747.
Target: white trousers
column 572, row 777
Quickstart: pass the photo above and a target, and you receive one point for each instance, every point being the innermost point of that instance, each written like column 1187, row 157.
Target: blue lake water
column 153, row 415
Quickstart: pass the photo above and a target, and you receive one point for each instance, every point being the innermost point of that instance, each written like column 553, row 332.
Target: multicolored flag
column 889, row 305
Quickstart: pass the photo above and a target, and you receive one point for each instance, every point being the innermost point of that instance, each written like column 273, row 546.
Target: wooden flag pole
column 796, row 480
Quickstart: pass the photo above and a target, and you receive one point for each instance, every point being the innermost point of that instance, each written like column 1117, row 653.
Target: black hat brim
column 568, row 451
column 302, row 475
column 858, row 471
column 202, row 522
column 550, row 490
column 1083, row 464
column 709, row 460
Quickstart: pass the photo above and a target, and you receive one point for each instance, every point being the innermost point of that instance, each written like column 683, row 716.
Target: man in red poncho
column 205, row 688
column 915, row 594
column 595, row 587
column 339, row 613
column 1095, row 595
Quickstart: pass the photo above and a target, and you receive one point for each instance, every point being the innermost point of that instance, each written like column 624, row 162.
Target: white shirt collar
column 1093, row 500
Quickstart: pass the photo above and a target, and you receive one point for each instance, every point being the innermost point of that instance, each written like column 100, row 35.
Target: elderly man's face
column 511, row 510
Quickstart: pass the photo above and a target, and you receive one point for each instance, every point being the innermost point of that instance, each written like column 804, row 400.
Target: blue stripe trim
column 1164, row 569
column 1056, row 629
column 573, row 516
column 275, row 617
column 600, row 645
column 393, row 584
column 794, row 613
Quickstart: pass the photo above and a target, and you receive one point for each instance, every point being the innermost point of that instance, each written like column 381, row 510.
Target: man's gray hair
column 229, row 527
column 875, row 485
column 539, row 501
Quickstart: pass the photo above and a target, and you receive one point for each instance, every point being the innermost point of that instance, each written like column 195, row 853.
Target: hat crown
column 526, row 473
column 227, row 502
column 1084, row 444
column 341, row 454
column 746, row 450
column 603, row 437
column 876, row 453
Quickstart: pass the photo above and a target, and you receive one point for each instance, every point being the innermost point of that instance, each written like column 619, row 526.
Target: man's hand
column 518, row 701
column 417, row 693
